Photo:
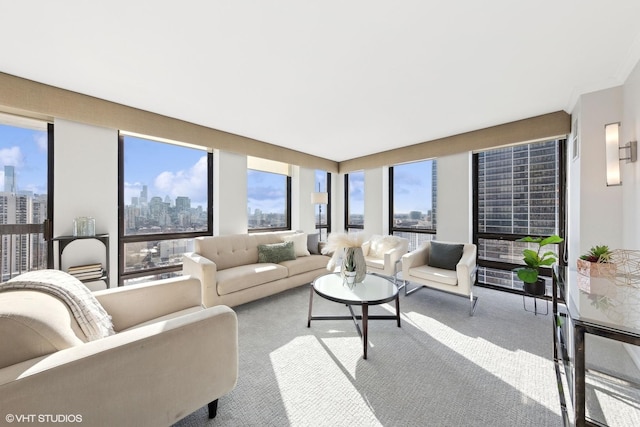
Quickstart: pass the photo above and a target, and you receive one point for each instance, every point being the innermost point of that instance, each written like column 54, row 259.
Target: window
column 25, row 192
column 323, row 211
column 268, row 200
column 518, row 193
column 412, row 201
column 354, row 201
column 165, row 201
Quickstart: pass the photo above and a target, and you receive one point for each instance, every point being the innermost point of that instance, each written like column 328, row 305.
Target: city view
column 23, row 197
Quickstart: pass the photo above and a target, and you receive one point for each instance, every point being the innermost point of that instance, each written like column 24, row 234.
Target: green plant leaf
column 551, row 240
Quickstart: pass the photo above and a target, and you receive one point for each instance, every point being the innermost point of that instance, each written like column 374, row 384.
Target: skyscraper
column 10, row 179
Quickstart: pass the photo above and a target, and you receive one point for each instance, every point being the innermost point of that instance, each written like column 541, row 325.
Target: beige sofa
column 230, row 273
column 168, row 358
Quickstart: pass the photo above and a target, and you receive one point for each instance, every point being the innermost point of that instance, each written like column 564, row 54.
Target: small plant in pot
column 534, row 260
column 597, row 262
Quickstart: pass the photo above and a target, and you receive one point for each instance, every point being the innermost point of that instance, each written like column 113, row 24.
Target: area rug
column 440, row 368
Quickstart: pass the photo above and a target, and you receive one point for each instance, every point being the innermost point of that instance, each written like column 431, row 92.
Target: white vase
column 349, row 277
column 358, row 259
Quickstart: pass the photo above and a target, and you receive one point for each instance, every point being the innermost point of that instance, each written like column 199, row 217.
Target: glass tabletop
column 600, row 301
column 372, row 290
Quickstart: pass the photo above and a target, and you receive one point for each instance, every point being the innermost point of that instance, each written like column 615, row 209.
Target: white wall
column 230, row 193
column 600, row 207
column 86, row 184
column 303, row 211
column 454, row 209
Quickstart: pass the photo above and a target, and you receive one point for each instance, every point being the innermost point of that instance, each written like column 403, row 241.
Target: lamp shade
column 611, row 134
column 319, row 198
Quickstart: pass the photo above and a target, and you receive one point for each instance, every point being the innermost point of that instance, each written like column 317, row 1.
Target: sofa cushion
column 276, row 252
column 305, row 264
column 299, row 243
column 228, row 251
column 445, row 255
column 313, row 243
column 439, row 275
column 166, row 317
column 375, row 262
column 246, row 276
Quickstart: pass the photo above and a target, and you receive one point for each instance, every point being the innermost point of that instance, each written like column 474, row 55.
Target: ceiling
column 336, row 79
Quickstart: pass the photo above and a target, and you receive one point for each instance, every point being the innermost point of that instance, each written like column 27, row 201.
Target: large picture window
column 354, row 201
column 519, row 193
column 323, row 210
column 165, row 201
column 413, row 200
column 26, row 185
column 268, row 200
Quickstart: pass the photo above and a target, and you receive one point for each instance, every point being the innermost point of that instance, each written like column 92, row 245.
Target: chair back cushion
column 445, row 255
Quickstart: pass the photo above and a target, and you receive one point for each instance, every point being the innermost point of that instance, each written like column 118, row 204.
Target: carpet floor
column 441, row 368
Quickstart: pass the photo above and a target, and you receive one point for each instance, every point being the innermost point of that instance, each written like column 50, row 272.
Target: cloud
column 190, row 183
column 42, row 142
column 11, row 157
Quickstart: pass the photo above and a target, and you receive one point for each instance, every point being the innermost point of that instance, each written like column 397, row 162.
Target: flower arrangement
column 338, row 241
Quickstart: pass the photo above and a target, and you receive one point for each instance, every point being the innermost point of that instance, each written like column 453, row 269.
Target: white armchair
column 424, row 267
column 383, row 253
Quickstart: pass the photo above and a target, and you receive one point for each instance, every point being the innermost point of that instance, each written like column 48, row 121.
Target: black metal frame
column 328, row 224
column 123, row 239
column 391, row 211
column 48, row 226
column 547, row 272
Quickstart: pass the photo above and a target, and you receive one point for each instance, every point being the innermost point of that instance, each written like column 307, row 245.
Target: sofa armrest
column 172, row 369
column 195, row 265
column 134, row 304
column 413, row 259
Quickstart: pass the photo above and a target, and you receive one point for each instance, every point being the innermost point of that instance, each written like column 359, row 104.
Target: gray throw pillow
column 312, row 243
column 276, row 252
column 445, row 255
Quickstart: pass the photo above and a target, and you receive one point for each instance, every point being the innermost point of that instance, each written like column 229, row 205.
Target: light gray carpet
column 441, row 368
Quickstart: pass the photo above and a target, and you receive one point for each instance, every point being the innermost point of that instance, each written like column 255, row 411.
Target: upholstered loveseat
column 164, row 357
column 233, row 271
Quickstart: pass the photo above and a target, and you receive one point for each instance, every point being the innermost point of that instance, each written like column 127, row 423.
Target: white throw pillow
column 299, row 243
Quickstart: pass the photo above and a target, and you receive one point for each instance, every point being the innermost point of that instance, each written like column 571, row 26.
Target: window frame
column 512, row 237
column 287, row 216
column 392, row 227
column 347, row 224
column 326, row 226
column 124, row 239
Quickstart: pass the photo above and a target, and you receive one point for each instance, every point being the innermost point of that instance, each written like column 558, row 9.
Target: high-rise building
column 10, row 179
column 517, row 195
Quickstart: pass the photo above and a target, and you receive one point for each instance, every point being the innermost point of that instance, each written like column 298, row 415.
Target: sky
column 166, row 170
column 26, row 150
column 170, row 170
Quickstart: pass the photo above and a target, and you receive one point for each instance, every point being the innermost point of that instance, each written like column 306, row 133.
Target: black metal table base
column 364, row 318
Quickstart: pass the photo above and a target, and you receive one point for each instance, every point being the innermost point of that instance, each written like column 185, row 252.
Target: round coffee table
column 373, row 290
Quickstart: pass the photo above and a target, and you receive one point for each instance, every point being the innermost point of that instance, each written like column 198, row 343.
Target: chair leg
column 474, row 302
column 408, row 291
column 213, row 409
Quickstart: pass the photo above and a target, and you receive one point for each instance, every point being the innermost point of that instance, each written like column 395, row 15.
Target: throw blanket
column 94, row 321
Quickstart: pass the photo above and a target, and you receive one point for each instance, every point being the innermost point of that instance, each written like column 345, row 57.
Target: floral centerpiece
column 347, row 255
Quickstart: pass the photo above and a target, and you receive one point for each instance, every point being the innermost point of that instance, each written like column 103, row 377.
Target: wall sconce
column 615, row 153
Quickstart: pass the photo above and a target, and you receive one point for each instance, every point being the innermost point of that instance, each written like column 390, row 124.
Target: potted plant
column 593, row 265
column 534, row 260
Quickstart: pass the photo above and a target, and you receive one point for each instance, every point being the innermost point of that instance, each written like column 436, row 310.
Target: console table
column 576, row 315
